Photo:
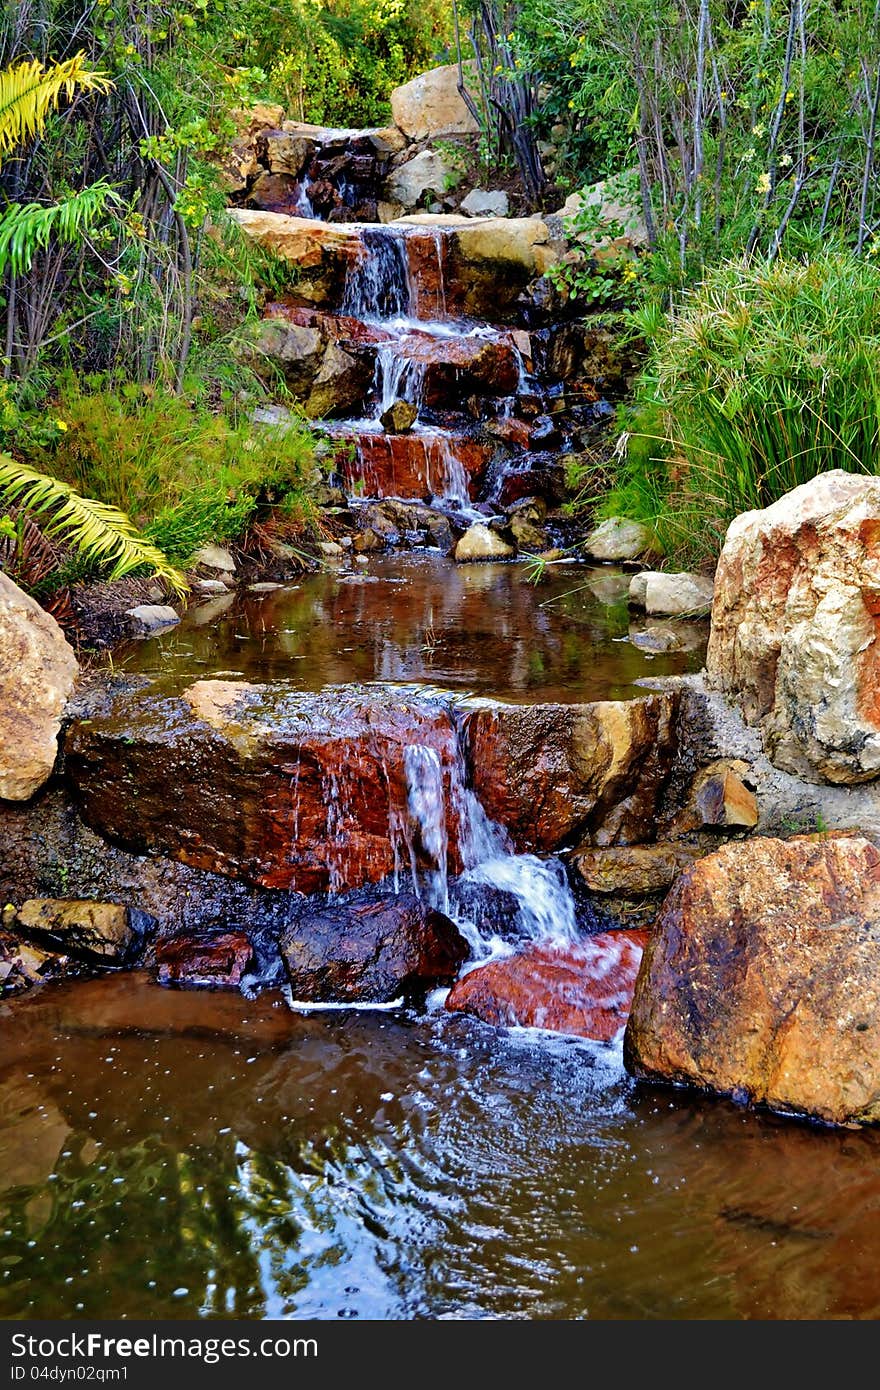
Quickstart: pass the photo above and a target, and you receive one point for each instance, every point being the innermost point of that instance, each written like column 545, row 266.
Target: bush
column 764, row 377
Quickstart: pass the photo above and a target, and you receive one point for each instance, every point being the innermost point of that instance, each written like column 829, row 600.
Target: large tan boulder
column 37, row 674
column 427, row 172
column 431, row 104
column 762, row 978
column 322, row 251
column 795, row 625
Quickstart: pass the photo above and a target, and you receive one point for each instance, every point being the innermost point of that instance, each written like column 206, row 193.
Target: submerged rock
column 370, row 949
column 481, row 543
column 796, row 622
column 37, row 674
column 762, row 979
column 585, row 989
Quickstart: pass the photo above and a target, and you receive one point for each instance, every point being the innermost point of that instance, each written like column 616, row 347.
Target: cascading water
column 541, row 907
column 377, row 287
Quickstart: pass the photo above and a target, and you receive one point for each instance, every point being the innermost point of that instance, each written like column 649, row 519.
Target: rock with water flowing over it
column 431, row 104
column 616, row 538
column 99, row 932
column 481, row 543
column 550, row 773
column 584, row 989
column 203, row 960
column 281, row 788
column 370, row 948
column 671, row 595
column 795, row 638
column 761, row 980
column 37, row 674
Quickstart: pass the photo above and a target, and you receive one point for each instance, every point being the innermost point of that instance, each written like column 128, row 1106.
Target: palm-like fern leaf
column 29, row 91
column 25, row 228
column 100, row 532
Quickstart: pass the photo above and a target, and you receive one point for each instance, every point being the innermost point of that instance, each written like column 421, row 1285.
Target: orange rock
column 584, row 989
column 762, row 978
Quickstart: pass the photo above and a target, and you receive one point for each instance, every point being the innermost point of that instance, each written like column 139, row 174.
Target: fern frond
column 100, row 532
column 29, row 91
column 25, row 228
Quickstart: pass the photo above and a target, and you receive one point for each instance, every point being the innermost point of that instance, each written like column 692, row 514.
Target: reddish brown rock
column 281, row 788
column 584, row 989
column 204, row 960
column 370, row 949
column 795, row 626
column 762, row 979
column 421, row 465
column 550, row 773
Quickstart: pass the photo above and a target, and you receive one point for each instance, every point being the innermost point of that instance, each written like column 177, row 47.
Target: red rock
column 585, row 989
column 413, row 465
column 426, row 252
column 370, row 948
column 280, row 788
column 549, row 773
column 762, row 978
column 204, row 961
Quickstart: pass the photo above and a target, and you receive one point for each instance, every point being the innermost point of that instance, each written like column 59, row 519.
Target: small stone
column 617, row 538
column 202, row 961
column 671, row 595
column 215, row 557
column 723, row 799
column 210, row 586
column 367, row 540
column 399, row 417
column 331, row 550
column 544, row 433
column 148, row 618
column 480, row 203
column 265, row 586
column 481, row 543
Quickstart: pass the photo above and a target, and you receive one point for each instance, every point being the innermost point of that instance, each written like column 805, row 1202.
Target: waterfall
column 397, row 378
column 542, row 907
column 378, row 286
column 447, row 477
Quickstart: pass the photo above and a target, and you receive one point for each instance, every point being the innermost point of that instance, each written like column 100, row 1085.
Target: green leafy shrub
column 763, row 377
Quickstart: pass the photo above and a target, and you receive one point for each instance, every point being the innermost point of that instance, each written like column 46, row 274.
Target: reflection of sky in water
column 163, row 1154
column 482, row 628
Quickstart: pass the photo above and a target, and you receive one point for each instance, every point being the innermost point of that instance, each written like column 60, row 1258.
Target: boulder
column 491, row 261
column 103, row 933
column 556, row 775
column 147, row 618
column 341, row 384
column 427, row 172
column 399, row 417
column 204, row 960
column 480, row 203
column 617, row 220
column 632, row 870
column 298, row 351
column 584, row 989
column 277, row 787
column 431, row 104
column 671, row 595
column 37, row 674
column 215, row 557
column 287, row 151
column 321, row 251
column 761, row 980
column 370, row 949
column 480, row 543
column 795, row 626
column 616, row 538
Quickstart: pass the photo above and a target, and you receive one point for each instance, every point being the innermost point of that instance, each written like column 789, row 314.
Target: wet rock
column 794, row 636
column 553, row 774
column 491, row 260
column 671, row 595
column 210, row 586
column 544, row 433
column 413, row 521
column 274, row 193
column 399, row 417
column 427, row 172
column 542, row 476
column 204, row 960
column 331, row 550
column 23, row 963
column 431, row 104
column 415, row 466
column 341, row 384
column 37, row 674
column 632, row 870
column 616, row 538
column 480, row 203
column 370, row 948
column 669, row 637
column 147, row 618
column 527, row 535
column 762, row 979
column 584, row 989
column 481, row 543
column 215, row 557
column 367, row 540
column 104, row 933
column 287, row 151
column 510, row 430
column 280, row 788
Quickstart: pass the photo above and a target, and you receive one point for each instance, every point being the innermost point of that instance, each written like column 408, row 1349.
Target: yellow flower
column 61, row 425
column 763, row 183
column 789, row 96
column 758, row 130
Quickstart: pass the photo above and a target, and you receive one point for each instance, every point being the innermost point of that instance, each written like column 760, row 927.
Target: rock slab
column 761, row 980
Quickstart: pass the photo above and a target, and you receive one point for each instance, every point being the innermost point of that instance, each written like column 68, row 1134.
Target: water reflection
column 166, row 1154
column 479, row 628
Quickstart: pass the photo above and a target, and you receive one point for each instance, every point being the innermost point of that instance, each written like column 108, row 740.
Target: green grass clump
column 764, row 376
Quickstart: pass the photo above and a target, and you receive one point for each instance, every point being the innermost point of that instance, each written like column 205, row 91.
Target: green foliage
column 26, row 228
column 102, row 534
column 30, row 90
column 765, row 376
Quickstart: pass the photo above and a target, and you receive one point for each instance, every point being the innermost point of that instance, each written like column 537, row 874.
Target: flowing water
column 169, row 1154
